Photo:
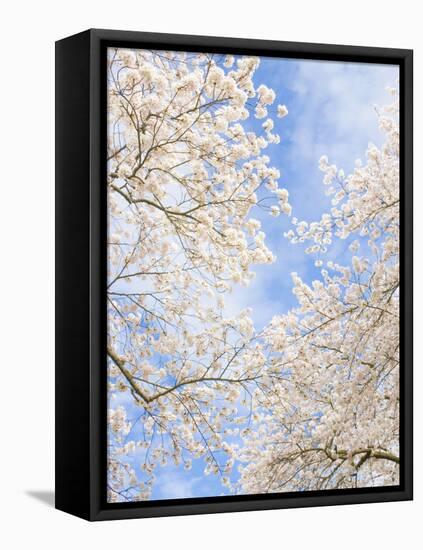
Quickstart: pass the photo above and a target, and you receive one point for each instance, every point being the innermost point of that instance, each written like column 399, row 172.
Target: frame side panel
column 72, row 275
column 406, row 272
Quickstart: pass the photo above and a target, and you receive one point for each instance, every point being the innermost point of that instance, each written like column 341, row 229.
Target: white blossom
column 282, row 111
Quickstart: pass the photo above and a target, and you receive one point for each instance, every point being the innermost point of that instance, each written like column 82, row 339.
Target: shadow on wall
column 46, row 497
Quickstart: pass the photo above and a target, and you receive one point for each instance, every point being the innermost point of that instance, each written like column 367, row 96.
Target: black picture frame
column 81, row 274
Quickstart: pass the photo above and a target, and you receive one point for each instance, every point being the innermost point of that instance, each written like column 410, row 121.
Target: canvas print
column 253, row 275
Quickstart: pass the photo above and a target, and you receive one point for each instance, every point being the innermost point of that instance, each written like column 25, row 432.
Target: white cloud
column 337, row 115
column 174, row 485
column 270, row 292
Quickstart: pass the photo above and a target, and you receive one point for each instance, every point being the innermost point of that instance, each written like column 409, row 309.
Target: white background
column 28, row 32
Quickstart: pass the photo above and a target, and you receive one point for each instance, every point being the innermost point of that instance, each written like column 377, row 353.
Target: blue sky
column 331, row 111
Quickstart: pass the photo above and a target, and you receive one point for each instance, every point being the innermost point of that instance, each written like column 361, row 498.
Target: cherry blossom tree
column 330, row 415
column 312, row 400
column 184, row 178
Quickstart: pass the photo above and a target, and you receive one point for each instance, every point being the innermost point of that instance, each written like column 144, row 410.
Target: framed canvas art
column 234, row 218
